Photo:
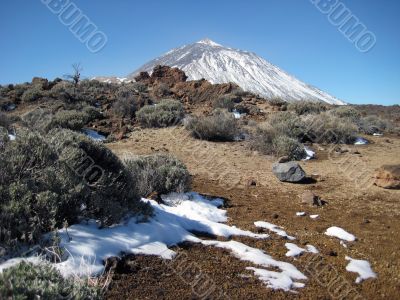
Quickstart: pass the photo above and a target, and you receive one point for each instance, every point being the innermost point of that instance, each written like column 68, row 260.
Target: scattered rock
column 275, row 216
column 283, row 159
column 317, row 177
column 308, row 197
column 252, row 182
column 288, row 172
column 388, row 177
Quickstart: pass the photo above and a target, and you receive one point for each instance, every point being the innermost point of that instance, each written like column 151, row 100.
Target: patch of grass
column 29, row 281
column 221, row 126
column 166, row 113
column 159, row 173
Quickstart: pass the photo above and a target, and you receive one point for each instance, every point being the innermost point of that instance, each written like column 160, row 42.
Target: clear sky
column 292, row 34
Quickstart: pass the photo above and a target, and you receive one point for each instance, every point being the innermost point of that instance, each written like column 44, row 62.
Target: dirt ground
column 371, row 213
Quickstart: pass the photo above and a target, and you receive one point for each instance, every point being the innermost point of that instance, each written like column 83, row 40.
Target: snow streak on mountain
column 218, row 64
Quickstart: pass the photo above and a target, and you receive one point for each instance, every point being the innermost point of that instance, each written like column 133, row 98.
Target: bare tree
column 76, row 75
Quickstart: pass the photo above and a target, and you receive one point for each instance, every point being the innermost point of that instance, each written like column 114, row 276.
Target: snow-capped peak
column 218, row 64
column 209, row 43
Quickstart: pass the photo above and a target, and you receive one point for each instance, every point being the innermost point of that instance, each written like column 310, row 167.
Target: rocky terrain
column 300, row 214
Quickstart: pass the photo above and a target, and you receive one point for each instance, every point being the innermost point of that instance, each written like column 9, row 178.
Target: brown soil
column 224, row 169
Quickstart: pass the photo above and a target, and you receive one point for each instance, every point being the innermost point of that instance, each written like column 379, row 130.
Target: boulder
column 288, row 172
column 388, row 177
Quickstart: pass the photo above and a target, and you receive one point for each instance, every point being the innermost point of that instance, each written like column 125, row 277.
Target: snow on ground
column 236, row 114
column 361, row 141
column 284, row 279
column 310, row 153
column 87, row 246
column 15, row 261
column 362, row 267
column 314, row 216
column 274, row 228
column 340, row 233
column 12, row 137
column 94, row 135
column 301, row 214
column 295, row 250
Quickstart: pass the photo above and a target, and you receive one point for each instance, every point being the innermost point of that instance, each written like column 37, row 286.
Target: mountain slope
column 218, row 64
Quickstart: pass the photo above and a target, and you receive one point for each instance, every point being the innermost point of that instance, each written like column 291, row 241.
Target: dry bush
column 221, row 126
column 307, row 107
column 159, row 173
column 165, row 113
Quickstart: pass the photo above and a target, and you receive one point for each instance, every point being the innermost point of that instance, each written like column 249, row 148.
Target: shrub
column 124, row 108
column 346, row 112
column 307, row 107
column 277, row 102
column 328, row 128
column 224, row 102
column 287, row 123
column 286, row 146
column 374, row 124
column 62, row 176
column 5, row 121
column 163, row 114
column 70, row 119
column 221, row 126
column 159, row 173
column 42, row 281
column 269, row 141
column 32, row 94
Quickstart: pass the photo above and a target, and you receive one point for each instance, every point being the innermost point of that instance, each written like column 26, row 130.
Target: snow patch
column 295, row 250
column 310, row 153
column 362, row 267
column 361, row 141
column 301, row 214
column 274, row 228
column 314, row 216
column 340, row 233
column 94, row 135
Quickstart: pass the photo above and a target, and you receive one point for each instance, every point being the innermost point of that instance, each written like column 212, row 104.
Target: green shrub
column 46, row 180
column 124, row 108
column 346, row 112
column 277, row 102
column 5, row 121
column 286, row 146
column 221, row 126
column 224, row 102
column 287, row 123
column 29, row 281
column 159, row 173
column 269, row 141
column 328, row 128
column 374, row 124
column 32, row 94
column 163, row 114
column 70, row 119
column 307, row 107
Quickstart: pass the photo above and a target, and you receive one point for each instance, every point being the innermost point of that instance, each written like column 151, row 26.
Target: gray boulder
column 288, row 172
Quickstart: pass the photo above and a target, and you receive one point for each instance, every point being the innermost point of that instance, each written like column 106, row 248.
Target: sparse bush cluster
column 331, row 129
column 220, row 126
column 166, row 113
column 42, row 281
column 46, row 180
column 373, row 124
column 159, row 173
column 224, row 102
column 307, row 107
column 273, row 141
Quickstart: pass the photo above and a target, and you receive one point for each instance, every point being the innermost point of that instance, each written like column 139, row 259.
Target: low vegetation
column 47, row 180
column 220, row 126
column 42, row 281
column 166, row 113
column 159, row 173
column 307, row 107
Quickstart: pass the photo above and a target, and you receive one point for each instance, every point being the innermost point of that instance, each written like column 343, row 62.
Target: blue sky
column 292, row 34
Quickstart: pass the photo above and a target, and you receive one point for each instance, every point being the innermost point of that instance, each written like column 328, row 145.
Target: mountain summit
column 218, row 64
